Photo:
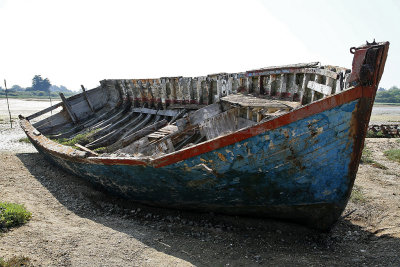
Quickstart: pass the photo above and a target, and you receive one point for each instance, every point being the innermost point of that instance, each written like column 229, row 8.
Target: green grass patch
column 13, row 215
column 357, row 196
column 393, row 154
column 366, row 158
column 15, row 261
column 24, row 140
column 77, row 139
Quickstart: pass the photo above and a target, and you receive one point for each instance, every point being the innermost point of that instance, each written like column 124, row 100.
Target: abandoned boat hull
column 299, row 166
column 299, row 171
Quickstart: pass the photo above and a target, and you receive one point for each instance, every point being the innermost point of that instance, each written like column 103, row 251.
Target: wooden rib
column 282, row 86
column 113, row 136
column 87, row 98
column 304, row 87
column 316, row 80
column 137, row 135
column 68, row 107
column 293, row 87
column 116, row 124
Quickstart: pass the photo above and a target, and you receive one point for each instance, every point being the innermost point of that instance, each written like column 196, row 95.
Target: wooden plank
column 251, row 101
column 321, row 88
column 167, row 112
column 44, row 111
column 87, row 98
column 68, row 107
column 282, row 70
column 86, row 149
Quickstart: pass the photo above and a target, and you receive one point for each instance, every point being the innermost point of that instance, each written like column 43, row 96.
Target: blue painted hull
column 298, row 171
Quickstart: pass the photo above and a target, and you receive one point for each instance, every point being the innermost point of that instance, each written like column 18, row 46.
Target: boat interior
column 152, row 117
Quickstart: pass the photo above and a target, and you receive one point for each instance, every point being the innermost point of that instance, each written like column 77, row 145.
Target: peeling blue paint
column 302, row 163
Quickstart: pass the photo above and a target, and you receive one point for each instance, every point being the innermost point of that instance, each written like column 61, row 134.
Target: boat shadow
column 207, row 239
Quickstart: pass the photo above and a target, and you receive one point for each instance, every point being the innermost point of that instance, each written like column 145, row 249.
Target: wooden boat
column 281, row 142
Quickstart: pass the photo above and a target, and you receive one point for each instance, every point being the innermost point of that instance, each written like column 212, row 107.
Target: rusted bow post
column 8, row 105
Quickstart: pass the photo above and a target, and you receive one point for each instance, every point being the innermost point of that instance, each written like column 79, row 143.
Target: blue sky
column 83, row 41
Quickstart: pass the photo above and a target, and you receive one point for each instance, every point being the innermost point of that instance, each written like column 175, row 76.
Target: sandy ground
column 74, row 224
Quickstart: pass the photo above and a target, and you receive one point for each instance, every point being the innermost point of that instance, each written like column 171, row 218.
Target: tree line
column 41, row 87
column 392, row 95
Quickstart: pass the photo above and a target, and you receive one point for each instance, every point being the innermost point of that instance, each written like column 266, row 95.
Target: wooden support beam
column 44, row 111
column 68, row 107
column 87, row 98
column 91, row 152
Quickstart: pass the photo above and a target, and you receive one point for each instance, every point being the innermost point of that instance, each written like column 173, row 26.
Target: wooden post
column 68, row 107
column 87, row 98
column 8, row 105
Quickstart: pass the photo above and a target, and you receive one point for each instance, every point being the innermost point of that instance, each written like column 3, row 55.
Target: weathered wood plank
column 321, row 88
column 69, row 109
column 137, row 135
column 44, row 111
column 167, row 112
column 251, row 101
column 86, row 149
column 87, row 98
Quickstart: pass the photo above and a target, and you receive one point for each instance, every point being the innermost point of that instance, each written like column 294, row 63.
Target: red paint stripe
column 314, row 108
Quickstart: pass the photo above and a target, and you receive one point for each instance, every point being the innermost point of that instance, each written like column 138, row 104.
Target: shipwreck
column 282, row 142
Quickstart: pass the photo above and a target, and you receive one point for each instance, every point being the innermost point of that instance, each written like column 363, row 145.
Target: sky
column 74, row 42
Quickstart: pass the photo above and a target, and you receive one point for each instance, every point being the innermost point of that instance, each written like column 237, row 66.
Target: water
column 23, row 107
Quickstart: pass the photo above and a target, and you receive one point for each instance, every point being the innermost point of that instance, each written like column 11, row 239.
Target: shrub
column 13, row 215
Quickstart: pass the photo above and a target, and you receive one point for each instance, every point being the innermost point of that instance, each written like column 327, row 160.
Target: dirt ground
column 74, row 224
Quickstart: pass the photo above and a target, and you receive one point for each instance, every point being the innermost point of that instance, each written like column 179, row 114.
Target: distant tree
column 40, row 84
column 17, row 88
column 381, row 89
column 389, row 96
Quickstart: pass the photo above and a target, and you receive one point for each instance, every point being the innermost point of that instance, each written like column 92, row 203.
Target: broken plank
column 321, row 88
